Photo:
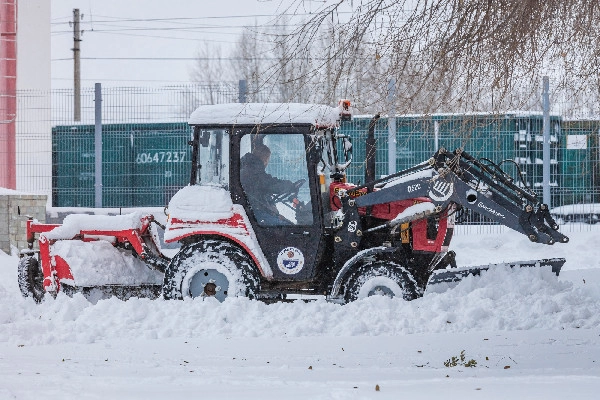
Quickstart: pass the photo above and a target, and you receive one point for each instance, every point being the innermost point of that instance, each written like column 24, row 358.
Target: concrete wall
column 13, row 227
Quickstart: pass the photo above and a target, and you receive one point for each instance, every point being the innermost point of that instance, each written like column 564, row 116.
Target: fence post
column 98, row 145
column 242, row 91
column 391, row 127
column 546, row 142
column 436, row 135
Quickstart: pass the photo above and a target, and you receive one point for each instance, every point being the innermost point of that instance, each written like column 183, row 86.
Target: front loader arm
column 458, row 178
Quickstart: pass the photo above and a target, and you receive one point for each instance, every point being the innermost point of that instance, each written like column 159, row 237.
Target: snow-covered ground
column 532, row 335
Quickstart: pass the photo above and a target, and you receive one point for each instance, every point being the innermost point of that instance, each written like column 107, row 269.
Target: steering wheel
column 293, row 193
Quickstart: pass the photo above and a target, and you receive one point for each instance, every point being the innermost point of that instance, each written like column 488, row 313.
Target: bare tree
column 209, row 70
column 458, row 55
column 249, row 61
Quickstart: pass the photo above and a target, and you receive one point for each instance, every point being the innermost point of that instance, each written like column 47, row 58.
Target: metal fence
column 145, row 145
column 512, row 139
column 42, row 113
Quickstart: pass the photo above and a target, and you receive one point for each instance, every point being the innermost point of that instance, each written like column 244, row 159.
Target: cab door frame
column 293, row 251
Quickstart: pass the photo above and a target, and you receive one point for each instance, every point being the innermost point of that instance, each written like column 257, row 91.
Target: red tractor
column 266, row 223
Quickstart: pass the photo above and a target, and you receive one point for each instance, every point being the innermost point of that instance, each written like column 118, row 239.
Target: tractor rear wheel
column 211, row 268
column 31, row 278
column 380, row 278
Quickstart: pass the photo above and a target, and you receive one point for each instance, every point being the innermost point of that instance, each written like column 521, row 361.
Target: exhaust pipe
column 370, row 154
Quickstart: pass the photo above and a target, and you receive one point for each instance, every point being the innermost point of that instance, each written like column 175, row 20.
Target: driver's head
column 263, row 152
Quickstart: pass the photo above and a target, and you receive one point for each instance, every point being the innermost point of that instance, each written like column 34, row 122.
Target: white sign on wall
column 576, row 142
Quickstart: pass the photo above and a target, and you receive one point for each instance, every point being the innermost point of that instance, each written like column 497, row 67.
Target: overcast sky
column 165, row 34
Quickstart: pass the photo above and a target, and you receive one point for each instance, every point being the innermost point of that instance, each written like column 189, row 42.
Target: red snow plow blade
column 96, row 261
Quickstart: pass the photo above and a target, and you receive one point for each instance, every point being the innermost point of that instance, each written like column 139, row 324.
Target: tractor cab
column 275, row 162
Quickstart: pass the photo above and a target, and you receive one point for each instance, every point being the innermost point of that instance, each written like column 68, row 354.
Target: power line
column 172, row 58
column 116, row 19
column 175, row 37
column 189, row 28
column 125, row 80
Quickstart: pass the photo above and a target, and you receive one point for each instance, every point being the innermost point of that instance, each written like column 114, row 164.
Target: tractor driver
column 261, row 187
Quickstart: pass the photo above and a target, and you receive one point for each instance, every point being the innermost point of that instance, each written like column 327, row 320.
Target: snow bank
column 12, row 192
column 590, row 208
column 499, row 300
column 474, row 246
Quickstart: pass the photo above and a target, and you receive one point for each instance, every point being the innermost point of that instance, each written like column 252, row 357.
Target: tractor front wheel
column 31, row 278
column 211, row 268
column 380, row 278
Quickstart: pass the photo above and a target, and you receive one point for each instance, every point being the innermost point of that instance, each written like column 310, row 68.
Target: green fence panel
column 145, row 164
column 142, row 164
column 161, row 163
column 72, row 166
column 580, row 166
column 116, row 165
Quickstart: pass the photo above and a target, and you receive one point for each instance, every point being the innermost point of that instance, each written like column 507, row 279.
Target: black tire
column 212, row 268
column 385, row 278
column 31, row 278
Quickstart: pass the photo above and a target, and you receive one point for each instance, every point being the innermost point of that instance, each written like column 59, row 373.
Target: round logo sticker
column 290, row 260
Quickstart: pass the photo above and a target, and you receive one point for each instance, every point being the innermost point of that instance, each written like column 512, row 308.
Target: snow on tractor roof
column 265, row 113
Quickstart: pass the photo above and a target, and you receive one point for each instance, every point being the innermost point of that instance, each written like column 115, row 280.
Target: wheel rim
column 381, row 291
column 380, row 286
column 209, row 283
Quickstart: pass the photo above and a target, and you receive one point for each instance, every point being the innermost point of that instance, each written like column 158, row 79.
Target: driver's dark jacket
column 259, row 185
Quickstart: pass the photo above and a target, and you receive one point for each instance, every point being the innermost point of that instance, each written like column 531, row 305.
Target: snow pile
column 475, row 245
column 12, row 192
column 99, row 263
column 426, row 173
column 201, row 203
column 532, row 334
column 588, row 208
column 73, row 224
column 500, row 300
column 412, row 211
column 265, row 113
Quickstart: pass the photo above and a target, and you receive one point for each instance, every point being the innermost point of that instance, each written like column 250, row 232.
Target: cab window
column 274, row 177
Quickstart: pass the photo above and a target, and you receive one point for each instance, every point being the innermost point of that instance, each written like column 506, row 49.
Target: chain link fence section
column 144, row 129
column 42, row 113
column 513, row 140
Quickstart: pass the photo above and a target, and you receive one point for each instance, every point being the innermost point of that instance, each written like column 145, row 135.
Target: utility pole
column 242, row 91
column 391, row 126
column 76, row 67
column 98, row 146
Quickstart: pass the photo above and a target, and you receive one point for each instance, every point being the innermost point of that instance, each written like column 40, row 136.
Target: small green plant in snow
column 460, row 361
